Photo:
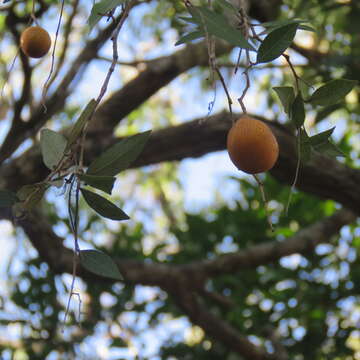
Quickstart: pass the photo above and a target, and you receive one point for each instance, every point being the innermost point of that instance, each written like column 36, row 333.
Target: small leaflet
column 119, row 156
column 52, row 146
column 103, row 183
column 99, row 263
column 276, row 43
column 103, row 206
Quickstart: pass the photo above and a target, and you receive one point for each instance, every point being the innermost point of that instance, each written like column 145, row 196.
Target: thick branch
column 157, row 74
column 51, row 249
column 303, row 242
column 323, row 176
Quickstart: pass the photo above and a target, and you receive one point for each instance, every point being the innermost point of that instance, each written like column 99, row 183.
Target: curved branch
column 322, row 176
column 302, row 242
column 157, row 74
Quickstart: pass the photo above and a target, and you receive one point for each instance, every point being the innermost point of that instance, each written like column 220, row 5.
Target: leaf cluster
column 56, row 150
column 294, row 106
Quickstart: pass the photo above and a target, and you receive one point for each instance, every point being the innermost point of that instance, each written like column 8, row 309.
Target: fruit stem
column 32, row 15
column 263, row 197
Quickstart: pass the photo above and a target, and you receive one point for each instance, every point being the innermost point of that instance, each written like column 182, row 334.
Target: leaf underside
column 99, row 263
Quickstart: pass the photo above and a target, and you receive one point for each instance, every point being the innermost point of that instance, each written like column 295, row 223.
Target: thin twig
column 114, row 38
column 237, row 62
column 74, row 221
column 75, row 259
column 287, row 58
column 46, row 84
column 76, row 240
column 247, row 87
column 74, row 218
column 67, row 32
column 225, row 89
column 265, row 202
column 134, row 63
column 292, row 189
column 244, row 26
column 32, row 15
column 74, row 228
column 259, row 68
column 9, row 72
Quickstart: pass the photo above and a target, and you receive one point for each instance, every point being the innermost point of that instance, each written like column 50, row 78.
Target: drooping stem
column 298, row 163
column 46, row 84
column 265, row 202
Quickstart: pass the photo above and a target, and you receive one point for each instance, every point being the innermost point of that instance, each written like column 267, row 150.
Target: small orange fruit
column 35, row 41
column 252, row 146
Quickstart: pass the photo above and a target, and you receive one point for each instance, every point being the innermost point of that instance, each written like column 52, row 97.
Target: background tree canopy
column 200, row 279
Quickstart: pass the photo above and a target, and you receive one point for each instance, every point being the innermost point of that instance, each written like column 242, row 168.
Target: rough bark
column 322, row 176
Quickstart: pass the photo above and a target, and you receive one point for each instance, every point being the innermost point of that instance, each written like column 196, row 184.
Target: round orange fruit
column 35, row 41
column 252, row 146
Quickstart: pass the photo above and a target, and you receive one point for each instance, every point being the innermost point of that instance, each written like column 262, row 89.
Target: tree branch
column 157, row 74
column 185, row 282
column 215, row 326
column 303, row 242
column 322, row 176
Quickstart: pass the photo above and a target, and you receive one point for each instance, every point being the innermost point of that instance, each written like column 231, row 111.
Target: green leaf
column 305, row 146
column 321, row 137
column 306, row 28
column 297, row 111
column 80, row 123
column 226, row 5
column 195, row 16
column 119, row 156
column 100, row 9
column 276, row 43
column 7, row 198
column 286, row 95
column 99, row 263
column 332, row 92
column 272, row 25
column 329, row 149
column 190, row 37
column 217, row 25
column 188, row 19
column 52, row 145
column 104, row 183
column 103, row 206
